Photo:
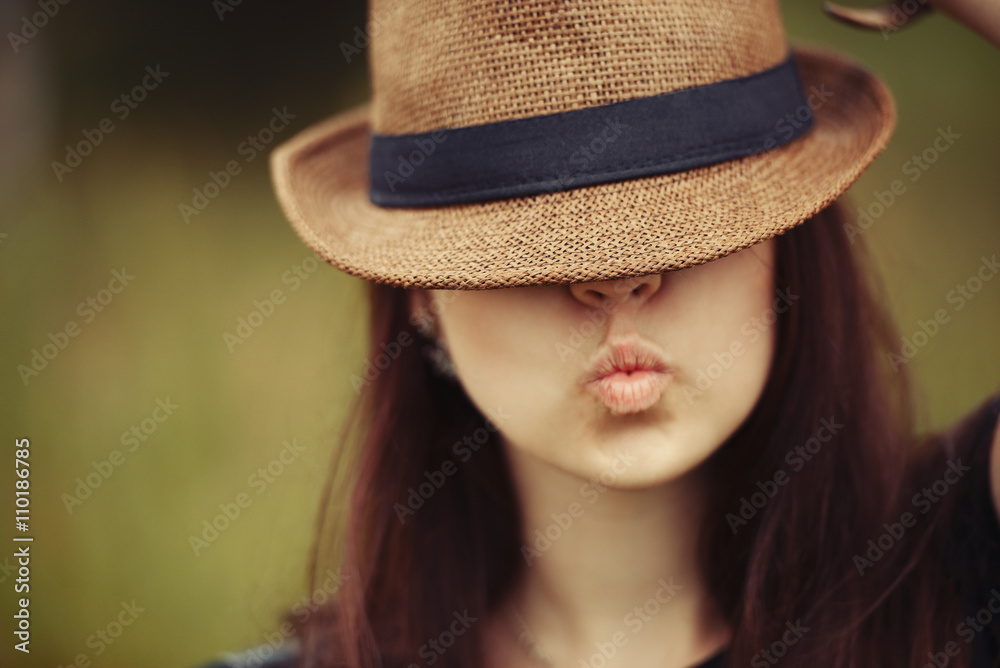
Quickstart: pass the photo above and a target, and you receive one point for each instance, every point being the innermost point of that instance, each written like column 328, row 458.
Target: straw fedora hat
column 525, row 142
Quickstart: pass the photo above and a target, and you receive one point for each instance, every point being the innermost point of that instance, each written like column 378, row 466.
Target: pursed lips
column 627, row 377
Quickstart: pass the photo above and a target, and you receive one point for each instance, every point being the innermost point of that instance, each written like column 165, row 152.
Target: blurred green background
column 161, row 338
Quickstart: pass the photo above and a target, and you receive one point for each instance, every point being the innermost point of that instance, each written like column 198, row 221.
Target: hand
column 982, row 16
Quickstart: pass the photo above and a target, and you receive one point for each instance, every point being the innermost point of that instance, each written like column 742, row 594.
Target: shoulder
column 966, row 487
column 995, row 467
column 264, row 656
column 975, row 439
column 972, row 451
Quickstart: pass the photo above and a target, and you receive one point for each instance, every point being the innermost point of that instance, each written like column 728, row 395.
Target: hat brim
column 595, row 233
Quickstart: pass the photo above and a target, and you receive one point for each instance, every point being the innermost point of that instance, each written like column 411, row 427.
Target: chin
column 643, row 455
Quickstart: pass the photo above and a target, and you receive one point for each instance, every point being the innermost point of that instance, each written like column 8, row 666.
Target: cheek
column 502, row 344
column 725, row 343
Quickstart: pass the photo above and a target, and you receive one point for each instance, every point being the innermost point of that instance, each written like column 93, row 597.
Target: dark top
column 261, row 657
column 972, row 555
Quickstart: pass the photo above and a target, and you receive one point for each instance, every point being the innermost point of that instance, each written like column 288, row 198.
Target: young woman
column 631, row 400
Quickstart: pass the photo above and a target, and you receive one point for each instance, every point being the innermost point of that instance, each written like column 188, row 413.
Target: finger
column 978, row 15
column 887, row 16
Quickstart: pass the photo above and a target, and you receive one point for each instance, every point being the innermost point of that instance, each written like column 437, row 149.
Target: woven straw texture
column 494, row 60
column 449, row 64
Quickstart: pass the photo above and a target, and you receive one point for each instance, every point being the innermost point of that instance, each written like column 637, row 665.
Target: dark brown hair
column 406, row 575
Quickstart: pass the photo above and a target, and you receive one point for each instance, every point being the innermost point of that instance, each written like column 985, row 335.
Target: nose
column 635, row 291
